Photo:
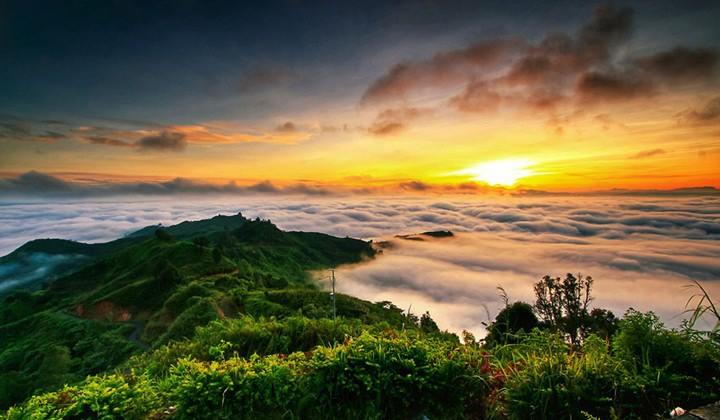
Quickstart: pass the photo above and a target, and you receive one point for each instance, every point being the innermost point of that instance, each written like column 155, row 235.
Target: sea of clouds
column 642, row 251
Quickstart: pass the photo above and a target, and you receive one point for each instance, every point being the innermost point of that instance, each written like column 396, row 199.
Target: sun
column 504, row 172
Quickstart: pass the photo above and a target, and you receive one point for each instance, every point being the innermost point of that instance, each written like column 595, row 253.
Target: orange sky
column 638, row 145
column 603, row 103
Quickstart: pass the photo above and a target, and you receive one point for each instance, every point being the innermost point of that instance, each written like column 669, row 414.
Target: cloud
column 106, row 141
column 478, row 96
column 602, row 87
column 708, row 113
column 558, row 77
column 145, row 136
column 163, row 141
column 648, row 153
column 38, row 185
column 680, row 63
column 227, row 133
column 647, row 247
column 35, row 183
column 395, row 120
column 20, row 129
column 414, row 186
column 546, row 63
column 288, row 127
column 443, row 69
column 32, row 267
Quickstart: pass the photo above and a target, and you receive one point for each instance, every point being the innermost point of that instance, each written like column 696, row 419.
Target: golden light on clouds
column 504, row 173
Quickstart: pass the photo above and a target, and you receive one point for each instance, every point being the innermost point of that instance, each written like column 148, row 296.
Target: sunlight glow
column 504, row 172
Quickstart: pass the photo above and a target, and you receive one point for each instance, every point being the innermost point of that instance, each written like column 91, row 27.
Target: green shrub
column 554, row 382
column 184, row 325
column 103, row 397
column 667, row 368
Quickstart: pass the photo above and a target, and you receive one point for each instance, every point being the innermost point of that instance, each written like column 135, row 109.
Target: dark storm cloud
column 163, row 141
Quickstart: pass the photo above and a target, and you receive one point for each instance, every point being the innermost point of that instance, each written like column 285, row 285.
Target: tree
column 427, row 324
column 602, row 322
column 162, row 235
column 562, row 304
column 217, row 255
column 201, row 241
column 166, row 275
column 509, row 322
column 55, row 367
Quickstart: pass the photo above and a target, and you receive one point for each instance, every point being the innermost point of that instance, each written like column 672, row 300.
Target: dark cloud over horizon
column 39, row 184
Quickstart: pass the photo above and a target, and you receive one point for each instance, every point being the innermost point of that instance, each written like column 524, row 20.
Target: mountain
column 44, row 260
column 94, row 305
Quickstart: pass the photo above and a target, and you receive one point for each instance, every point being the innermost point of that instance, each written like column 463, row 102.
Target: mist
column 643, row 252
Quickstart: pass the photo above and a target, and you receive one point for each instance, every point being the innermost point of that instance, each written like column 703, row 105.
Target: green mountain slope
column 149, row 288
column 44, row 260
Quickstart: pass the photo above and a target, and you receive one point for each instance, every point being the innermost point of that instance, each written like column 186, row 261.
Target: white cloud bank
column 641, row 251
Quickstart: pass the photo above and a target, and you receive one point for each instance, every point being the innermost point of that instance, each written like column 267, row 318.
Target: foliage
column 647, row 370
column 563, row 304
column 669, row 367
column 510, row 323
column 365, row 377
column 704, row 308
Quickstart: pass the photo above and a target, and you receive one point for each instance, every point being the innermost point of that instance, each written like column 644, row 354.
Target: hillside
column 121, row 297
column 221, row 318
column 43, row 260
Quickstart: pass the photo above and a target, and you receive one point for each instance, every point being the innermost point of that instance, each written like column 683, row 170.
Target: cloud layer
column 642, row 251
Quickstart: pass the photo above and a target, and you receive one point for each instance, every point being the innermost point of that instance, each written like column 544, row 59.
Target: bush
column 550, row 381
column 105, row 397
column 668, row 368
column 366, row 377
column 512, row 320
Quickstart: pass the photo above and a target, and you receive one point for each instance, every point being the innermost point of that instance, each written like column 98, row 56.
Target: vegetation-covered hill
column 220, row 319
column 152, row 287
column 43, row 260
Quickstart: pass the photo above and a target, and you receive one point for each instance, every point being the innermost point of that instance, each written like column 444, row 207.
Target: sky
column 643, row 252
column 359, row 97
